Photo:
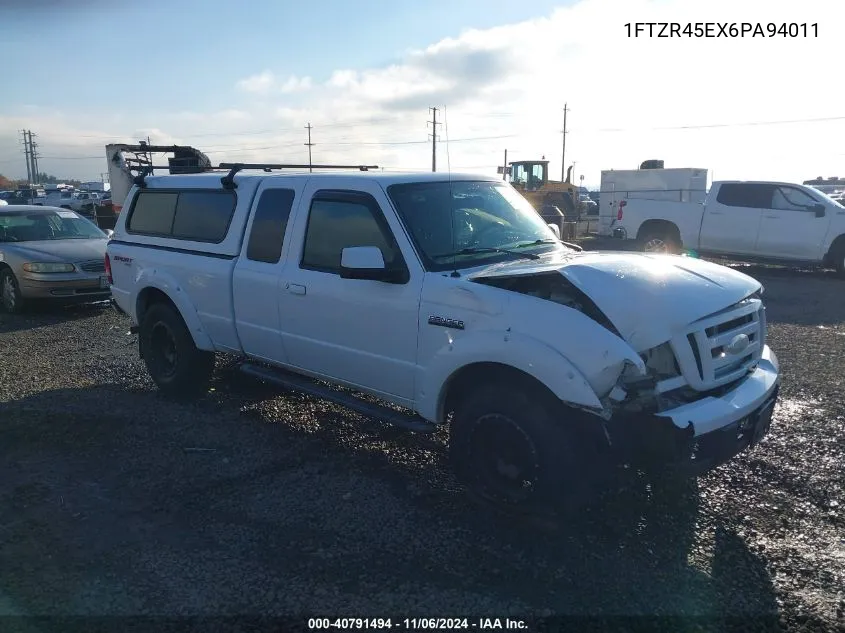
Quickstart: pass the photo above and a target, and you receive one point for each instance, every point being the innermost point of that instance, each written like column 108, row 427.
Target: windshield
column 827, row 197
column 481, row 218
column 41, row 226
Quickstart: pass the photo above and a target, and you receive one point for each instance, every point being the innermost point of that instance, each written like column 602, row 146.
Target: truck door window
column 748, row 195
column 338, row 222
column 791, row 199
column 269, row 225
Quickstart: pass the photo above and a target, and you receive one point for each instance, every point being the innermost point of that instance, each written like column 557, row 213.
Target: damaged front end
column 640, row 434
column 667, row 408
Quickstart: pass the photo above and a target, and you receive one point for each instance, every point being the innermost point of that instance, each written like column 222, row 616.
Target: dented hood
column 648, row 297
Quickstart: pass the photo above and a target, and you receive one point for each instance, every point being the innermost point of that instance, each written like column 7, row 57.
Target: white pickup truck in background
column 444, row 299
column 768, row 221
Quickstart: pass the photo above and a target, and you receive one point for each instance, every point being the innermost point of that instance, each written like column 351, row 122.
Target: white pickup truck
column 768, row 221
column 432, row 299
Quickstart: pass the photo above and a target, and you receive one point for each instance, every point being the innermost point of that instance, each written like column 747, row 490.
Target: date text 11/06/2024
column 417, row 624
column 722, row 29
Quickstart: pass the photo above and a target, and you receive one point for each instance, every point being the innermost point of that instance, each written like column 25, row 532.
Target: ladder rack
column 229, row 179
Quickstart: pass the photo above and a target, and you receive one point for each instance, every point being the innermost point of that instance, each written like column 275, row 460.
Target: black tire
column 10, row 292
column 660, row 240
column 173, row 361
column 838, row 257
column 507, row 420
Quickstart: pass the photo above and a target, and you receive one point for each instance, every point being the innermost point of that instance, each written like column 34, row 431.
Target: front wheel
column 10, row 292
column 173, row 361
column 512, row 448
column 839, row 261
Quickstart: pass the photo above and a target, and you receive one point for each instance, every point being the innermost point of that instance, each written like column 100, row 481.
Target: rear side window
column 269, row 225
column 153, row 213
column 199, row 216
column 755, row 196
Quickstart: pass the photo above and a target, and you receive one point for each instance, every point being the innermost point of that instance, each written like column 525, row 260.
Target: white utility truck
column 679, row 184
column 776, row 222
column 444, row 299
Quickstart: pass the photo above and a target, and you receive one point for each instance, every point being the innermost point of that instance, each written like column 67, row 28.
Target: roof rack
column 229, row 179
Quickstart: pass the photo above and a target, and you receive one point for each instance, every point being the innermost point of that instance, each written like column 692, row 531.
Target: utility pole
column 563, row 151
column 26, row 156
column 33, row 156
column 310, row 145
column 434, row 124
column 505, row 168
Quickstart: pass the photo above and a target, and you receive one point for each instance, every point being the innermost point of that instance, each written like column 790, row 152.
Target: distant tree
column 6, row 183
column 49, row 179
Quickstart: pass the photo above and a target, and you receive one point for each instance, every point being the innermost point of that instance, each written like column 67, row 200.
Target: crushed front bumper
column 692, row 439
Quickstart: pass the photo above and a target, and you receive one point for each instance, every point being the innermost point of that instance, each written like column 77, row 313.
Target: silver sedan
column 50, row 253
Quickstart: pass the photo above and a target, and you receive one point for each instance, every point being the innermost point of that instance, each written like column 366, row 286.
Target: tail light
column 108, row 269
column 622, row 204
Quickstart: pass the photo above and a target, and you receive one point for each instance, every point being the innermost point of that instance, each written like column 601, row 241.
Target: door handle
column 295, row 289
column 773, row 217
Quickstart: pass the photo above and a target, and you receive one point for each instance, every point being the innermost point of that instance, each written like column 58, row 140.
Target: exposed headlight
column 48, row 268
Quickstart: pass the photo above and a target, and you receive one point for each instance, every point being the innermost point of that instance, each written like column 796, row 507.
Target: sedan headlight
column 48, row 268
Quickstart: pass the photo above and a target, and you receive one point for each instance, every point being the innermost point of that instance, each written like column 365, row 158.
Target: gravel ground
column 117, row 502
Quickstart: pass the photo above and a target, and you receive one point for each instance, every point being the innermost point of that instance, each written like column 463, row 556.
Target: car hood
column 648, row 297
column 56, row 251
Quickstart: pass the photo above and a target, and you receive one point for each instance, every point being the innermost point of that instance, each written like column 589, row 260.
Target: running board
column 288, row 380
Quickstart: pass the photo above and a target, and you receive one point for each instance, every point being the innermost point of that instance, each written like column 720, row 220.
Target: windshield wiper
column 575, row 247
column 537, row 243
column 477, row 251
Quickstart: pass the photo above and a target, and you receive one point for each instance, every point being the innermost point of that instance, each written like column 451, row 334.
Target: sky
column 242, row 82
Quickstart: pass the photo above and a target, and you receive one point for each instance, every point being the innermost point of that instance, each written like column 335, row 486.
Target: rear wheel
column 660, row 240
column 510, row 445
column 10, row 292
column 173, row 361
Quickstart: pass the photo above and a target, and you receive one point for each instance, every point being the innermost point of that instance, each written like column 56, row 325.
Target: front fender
column 519, row 351
column 166, row 283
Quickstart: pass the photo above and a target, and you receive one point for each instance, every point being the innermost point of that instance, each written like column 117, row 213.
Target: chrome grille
column 723, row 347
column 93, row 266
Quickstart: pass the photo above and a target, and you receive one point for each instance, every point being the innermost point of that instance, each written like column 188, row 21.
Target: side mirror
column 555, row 229
column 365, row 262
column 109, row 233
column 819, row 209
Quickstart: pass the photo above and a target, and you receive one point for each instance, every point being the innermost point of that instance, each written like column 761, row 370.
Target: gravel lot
column 297, row 507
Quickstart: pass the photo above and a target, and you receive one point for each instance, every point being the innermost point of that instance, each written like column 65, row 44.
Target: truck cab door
column 791, row 228
column 257, row 278
column 361, row 332
column 731, row 220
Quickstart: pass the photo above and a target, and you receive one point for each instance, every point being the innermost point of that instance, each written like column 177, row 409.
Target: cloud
column 295, row 84
column 266, row 82
column 629, row 98
column 261, row 83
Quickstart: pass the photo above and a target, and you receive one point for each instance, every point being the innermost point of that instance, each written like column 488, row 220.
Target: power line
column 239, row 148
column 720, row 125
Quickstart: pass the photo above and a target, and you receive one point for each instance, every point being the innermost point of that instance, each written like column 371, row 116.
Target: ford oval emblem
column 738, row 344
